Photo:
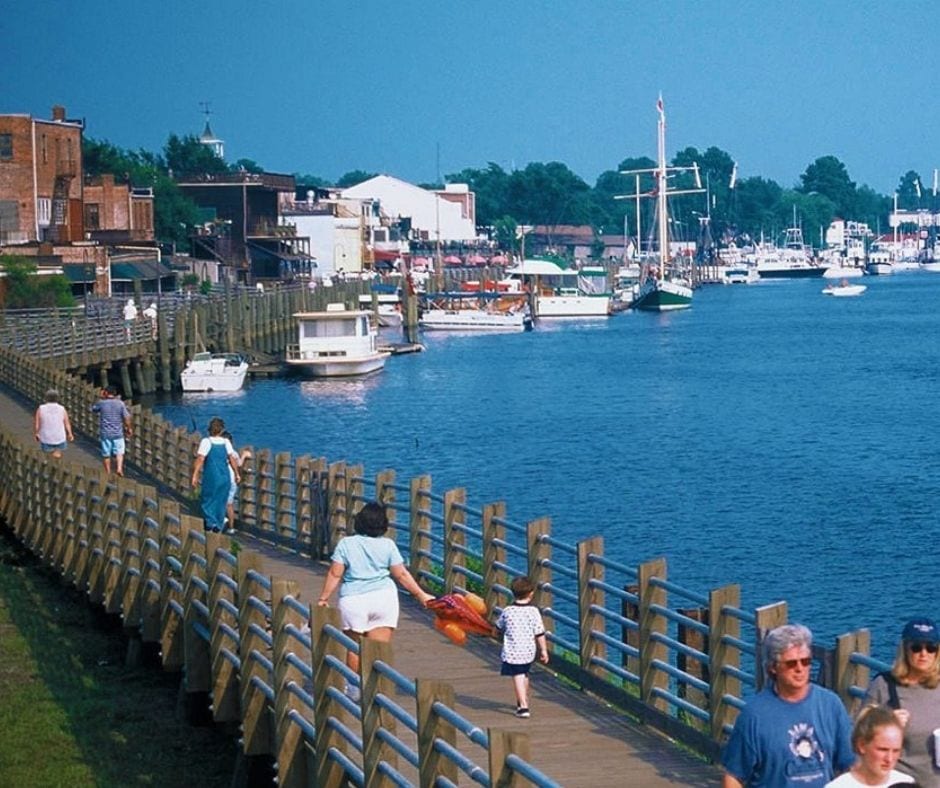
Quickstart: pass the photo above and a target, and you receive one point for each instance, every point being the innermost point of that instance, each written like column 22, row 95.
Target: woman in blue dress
column 214, row 458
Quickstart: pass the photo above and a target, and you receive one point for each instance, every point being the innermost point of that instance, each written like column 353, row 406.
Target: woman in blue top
column 365, row 567
column 214, row 458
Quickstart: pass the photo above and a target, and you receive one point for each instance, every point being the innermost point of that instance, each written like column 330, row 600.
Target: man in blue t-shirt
column 114, row 422
column 793, row 732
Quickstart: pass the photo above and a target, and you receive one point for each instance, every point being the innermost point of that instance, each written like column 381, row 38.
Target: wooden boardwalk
column 574, row 738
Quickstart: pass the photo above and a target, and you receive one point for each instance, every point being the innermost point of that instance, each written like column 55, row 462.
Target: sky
column 421, row 89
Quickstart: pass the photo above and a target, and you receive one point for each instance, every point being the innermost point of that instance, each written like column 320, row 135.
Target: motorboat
column 473, row 319
column 387, row 307
column 336, row 343
column 844, row 289
column 739, row 275
column 563, row 292
column 214, row 372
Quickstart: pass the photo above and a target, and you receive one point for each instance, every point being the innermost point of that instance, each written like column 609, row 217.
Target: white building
column 450, row 212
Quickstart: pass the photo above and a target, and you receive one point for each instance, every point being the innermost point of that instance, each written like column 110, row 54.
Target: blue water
column 769, row 436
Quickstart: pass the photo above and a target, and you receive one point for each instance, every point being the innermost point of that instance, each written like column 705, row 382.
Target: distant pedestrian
column 151, row 314
column 241, row 458
column 52, row 426
column 114, row 423
column 523, row 637
column 793, row 733
column 214, row 458
column 130, row 316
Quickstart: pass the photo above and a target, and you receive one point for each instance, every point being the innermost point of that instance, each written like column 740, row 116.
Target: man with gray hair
column 793, row 732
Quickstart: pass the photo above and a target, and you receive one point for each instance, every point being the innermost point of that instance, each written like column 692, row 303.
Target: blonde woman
column 911, row 689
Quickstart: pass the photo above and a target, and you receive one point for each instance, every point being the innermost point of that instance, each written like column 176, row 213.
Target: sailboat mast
column 661, row 191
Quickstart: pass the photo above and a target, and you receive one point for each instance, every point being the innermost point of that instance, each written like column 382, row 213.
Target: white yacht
column 564, row 292
column 214, row 372
column 336, row 343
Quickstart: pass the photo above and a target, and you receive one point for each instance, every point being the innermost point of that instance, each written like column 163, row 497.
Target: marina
column 580, row 420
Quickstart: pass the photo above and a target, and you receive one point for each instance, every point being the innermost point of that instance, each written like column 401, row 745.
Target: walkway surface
column 575, row 738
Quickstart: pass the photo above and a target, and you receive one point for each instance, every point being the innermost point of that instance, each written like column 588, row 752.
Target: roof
column 129, row 270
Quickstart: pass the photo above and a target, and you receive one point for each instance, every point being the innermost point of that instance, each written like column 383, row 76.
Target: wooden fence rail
column 679, row 660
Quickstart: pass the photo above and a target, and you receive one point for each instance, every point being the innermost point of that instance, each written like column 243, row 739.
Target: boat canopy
column 534, row 267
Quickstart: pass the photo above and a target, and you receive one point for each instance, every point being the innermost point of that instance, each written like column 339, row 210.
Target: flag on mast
column 734, row 176
column 659, row 105
column 917, row 187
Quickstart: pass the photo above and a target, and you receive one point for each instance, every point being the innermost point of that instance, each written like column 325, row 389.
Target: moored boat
column 214, row 372
column 844, row 289
column 473, row 319
column 563, row 292
column 335, row 343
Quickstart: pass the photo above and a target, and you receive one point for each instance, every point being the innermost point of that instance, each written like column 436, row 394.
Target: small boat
column 336, row 343
column 214, row 372
column 739, row 275
column 388, row 307
column 844, row 289
column 474, row 320
column 563, row 292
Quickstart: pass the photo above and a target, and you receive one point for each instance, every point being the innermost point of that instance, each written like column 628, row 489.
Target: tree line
column 549, row 193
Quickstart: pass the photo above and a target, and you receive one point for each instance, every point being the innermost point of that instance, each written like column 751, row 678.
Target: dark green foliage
column 27, row 290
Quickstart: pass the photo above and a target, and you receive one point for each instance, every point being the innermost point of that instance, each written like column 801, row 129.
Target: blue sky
column 328, row 87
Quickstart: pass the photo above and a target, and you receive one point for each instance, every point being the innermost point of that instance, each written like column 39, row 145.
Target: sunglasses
column 916, row 648
column 789, row 664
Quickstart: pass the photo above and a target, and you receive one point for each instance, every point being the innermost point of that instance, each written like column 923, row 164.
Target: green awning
column 129, row 270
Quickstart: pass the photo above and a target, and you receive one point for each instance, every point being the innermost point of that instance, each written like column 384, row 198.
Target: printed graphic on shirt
column 807, row 763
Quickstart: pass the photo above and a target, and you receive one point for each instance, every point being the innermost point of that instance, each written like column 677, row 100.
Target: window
column 45, row 151
column 44, row 208
column 92, row 221
column 6, row 147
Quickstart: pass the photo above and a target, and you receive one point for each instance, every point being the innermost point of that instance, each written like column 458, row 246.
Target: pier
column 646, row 663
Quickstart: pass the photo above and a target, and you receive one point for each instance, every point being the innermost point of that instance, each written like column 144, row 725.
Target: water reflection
column 352, row 391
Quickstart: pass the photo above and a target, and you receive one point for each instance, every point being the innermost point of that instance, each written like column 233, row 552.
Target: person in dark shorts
column 523, row 638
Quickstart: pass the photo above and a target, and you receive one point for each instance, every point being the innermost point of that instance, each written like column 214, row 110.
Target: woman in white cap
column 911, row 689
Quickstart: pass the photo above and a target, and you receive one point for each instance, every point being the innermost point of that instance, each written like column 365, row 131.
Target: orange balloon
column 476, row 602
column 455, row 632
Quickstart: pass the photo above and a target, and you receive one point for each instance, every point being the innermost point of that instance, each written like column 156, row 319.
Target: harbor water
column 769, row 436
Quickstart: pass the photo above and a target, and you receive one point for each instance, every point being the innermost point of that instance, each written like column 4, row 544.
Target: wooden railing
column 679, row 660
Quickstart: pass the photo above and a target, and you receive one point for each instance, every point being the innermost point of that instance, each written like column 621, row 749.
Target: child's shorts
column 509, row 669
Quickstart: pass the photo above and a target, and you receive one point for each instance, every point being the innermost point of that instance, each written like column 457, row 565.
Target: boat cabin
column 335, row 332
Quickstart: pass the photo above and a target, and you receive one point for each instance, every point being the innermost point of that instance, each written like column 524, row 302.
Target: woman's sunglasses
column 916, row 648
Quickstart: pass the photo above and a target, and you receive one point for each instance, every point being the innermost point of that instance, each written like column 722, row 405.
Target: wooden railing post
column 723, row 657
column 849, row 674
column 540, row 573
column 454, row 538
column 502, row 744
column 291, row 756
column 336, row 495
column 765, row 618
column 650, row 623
column 432, row 764
column 328, row 771
column 494, row 554
column 197, row 665
column 222, row 601
column 171, row 587
column 590, row 621
column 355, row 493
column 374, row 717
column 285, row 500
column 256, row 722
column 420, row 527
column 385, row 495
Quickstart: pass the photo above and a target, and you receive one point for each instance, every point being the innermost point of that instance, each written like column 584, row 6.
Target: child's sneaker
column 522, row 711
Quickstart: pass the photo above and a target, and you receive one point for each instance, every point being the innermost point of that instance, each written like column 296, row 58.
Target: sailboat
column 661, row 290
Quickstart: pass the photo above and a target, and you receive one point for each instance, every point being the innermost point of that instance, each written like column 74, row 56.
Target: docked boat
column 474, row 319
column 662, row 288
column 214, row 372
column 335, row 343
column 792, row 260
column 563, row 292
column 739, row 275
column 387, row 306
column 844, row 289
column 880, row 261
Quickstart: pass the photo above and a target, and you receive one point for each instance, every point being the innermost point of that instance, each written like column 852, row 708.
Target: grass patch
column 71, row 712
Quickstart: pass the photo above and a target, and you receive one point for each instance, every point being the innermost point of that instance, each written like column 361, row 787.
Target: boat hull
column 339, row 366
column 845, row 291
column 656, row 296
column 215, row 373
column 472, row 320
column 807, row 272
column 573, row 306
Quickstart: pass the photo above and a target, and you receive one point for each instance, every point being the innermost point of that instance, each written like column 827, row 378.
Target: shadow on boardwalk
column 575, row 738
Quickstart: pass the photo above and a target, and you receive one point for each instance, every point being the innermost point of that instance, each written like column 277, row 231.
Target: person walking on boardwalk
column 876, row 738
column 130, row 315
column 51, row 425
column 215, row 457
column 523, row 633
column 114, row 424
column 792, row 733
column 364, row 567
column 151, row 314
column 911, row 689
column 242, row 457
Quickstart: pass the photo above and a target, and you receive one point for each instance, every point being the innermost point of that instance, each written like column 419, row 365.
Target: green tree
column 491, row 187
column 506, row 230
column 548, row 194
column 248, row 165
column 910, row 191
column 186, row 157
column 829, row 177
column 354, row 178
column 305, row 181
column 25, row 289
